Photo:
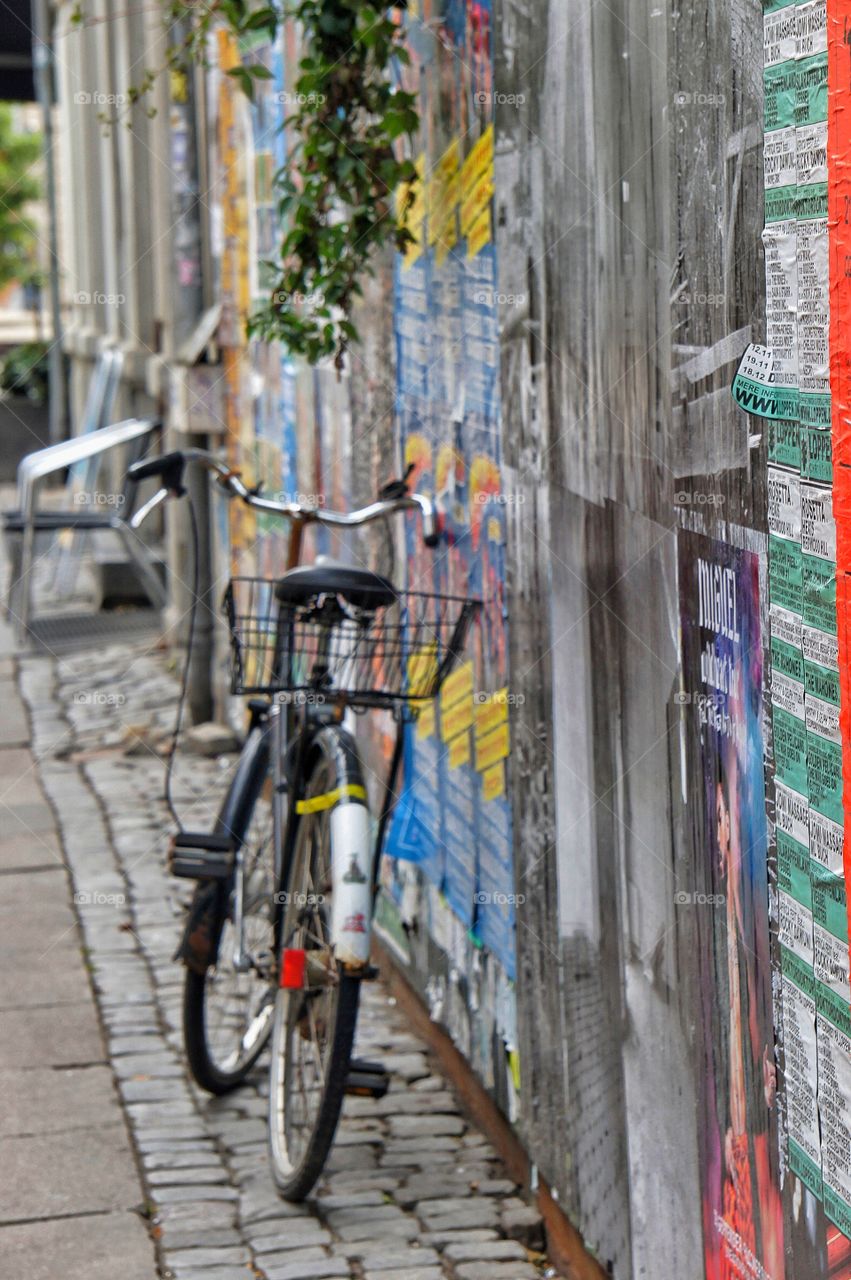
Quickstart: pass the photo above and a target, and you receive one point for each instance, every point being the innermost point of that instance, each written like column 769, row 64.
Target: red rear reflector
column 293, row 964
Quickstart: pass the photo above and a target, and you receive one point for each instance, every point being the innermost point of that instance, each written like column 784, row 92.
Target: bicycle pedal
column 194, row 855
column 366, row 1079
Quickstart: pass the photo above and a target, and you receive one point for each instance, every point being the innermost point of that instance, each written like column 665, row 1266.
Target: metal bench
column 22, row 526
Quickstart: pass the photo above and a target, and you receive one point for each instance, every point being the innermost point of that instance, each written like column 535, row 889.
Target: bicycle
column 278, row 935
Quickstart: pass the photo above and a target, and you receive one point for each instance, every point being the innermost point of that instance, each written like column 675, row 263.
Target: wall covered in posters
column 454, row 819
column 617, row 856
column 673, row 188
column 448, row 903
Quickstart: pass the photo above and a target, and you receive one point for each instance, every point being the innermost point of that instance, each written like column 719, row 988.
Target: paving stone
column 182, row 1239
column 149, row 1138
column 378, row 1257
column 293, row 1235
column 188, row 1176
column 422, row 1147
column 410, row 1066
column 350, row 1158
column 403, row 1228
column 483, row 1251
column 471, row 1207
column 497, row 1187
column 215, row 1273
column 206, row 1257
column 363, row 1213
column 273, row 1261
column 173, row 1112
column 309, row 1270
column 497, row 1271
column 439, row 1101
column 197, row 1158
column 238, row 1133
column 459, row 1221
column 152, row 1146
column 406, row 1273
column 521, row 1222
column 425, row 1126
column 355, row 1137
column 197, row 1216
column 350, row 1201
column 378, row 1180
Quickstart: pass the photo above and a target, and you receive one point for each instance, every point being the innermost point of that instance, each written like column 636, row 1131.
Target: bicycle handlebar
column 170, row 466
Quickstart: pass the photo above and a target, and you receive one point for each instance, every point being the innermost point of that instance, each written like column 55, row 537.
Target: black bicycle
column 278, row 935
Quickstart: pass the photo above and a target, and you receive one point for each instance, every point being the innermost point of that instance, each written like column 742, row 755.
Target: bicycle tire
column 235, row 817
column 295, row 1171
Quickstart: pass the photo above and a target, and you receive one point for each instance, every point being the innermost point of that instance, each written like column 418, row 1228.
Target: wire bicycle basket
column 393, row 655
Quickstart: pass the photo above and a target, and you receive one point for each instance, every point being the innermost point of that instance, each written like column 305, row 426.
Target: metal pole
column 44, row 83
column 199, row 688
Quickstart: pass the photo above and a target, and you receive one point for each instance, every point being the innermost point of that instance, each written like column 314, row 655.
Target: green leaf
column 261, row 18
column 246, row 83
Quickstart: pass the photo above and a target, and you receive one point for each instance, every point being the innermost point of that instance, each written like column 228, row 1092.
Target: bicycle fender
column 351, row 850
column 351, row 874
column 198, row 946
column 205, row 917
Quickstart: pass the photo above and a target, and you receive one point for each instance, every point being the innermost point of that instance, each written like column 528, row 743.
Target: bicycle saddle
column 359, row 587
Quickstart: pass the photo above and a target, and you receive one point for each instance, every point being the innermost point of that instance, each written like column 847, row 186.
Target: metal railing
column 34, row 468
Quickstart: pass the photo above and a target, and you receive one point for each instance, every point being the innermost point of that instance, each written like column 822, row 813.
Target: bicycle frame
column 353, row 897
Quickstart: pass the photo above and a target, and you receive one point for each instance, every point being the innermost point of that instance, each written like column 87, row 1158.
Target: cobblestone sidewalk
column 411, row 1192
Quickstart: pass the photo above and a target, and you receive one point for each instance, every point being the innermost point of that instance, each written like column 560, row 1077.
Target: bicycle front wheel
column 228, row 1008
column 314, row 1027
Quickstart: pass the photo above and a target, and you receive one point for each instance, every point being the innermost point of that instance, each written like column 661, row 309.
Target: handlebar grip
column 168, row 466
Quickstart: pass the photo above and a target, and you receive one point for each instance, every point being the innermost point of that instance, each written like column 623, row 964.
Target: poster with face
column 726, row 908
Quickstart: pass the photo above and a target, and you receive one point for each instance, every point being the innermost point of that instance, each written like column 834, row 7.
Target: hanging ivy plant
column 345, row 141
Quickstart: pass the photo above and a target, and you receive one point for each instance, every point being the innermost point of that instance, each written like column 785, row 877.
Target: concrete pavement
column 70, row 1189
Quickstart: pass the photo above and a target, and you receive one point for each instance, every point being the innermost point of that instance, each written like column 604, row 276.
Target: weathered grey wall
column 629, row 207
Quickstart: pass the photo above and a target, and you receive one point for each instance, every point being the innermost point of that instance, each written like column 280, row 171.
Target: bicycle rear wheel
column 314, row 1028
column 228, row 1008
